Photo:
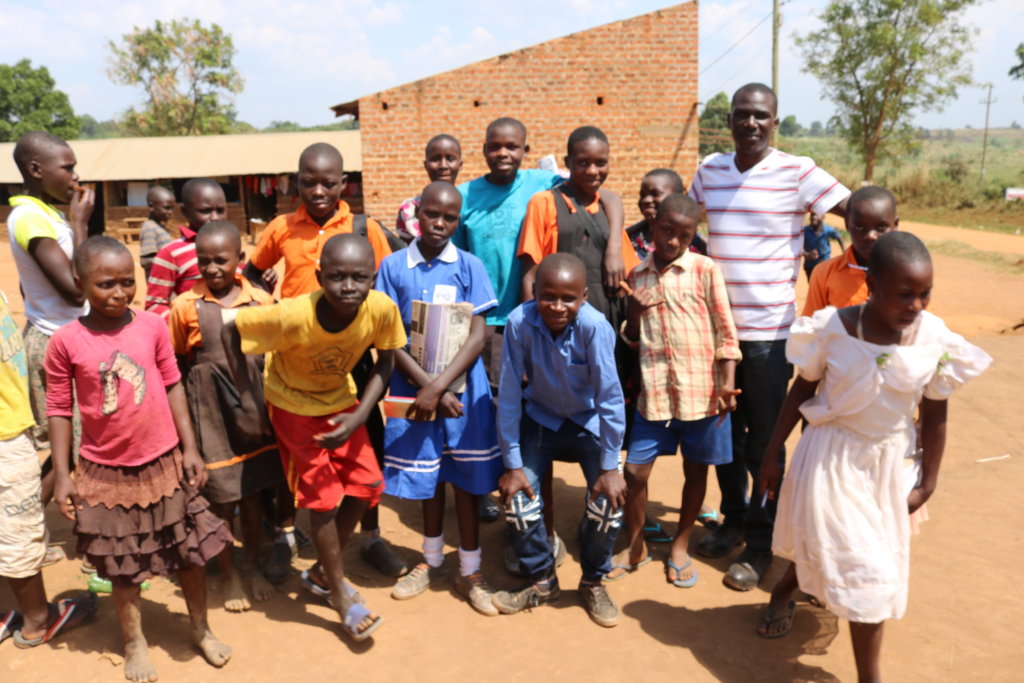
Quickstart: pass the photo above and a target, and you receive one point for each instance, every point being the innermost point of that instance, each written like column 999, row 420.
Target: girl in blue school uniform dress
column 459, row 447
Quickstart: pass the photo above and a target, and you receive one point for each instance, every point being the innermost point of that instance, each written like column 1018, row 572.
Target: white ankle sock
column 469, row 561
column 433, row 550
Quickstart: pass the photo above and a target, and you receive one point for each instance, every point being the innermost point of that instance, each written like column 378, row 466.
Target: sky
column 301, row 57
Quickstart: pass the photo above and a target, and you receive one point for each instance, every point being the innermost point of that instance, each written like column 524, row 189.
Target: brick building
column 635, row 79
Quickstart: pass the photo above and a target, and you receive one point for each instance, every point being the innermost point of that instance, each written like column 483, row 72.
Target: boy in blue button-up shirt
column 572, row 408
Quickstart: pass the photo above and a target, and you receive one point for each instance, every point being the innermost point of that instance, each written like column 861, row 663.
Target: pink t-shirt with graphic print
column 120, row 379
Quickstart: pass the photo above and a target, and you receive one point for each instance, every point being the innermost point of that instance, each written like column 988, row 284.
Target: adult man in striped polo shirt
column 755, row 199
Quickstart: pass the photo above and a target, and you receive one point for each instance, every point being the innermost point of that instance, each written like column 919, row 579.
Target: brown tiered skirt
column 145, row 521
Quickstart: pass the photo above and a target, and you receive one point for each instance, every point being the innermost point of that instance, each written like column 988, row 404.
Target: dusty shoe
column 535, row 594
column 477, row 593
column 385, row 560
column 417, row 581
column 747, row 571
column 599, row 604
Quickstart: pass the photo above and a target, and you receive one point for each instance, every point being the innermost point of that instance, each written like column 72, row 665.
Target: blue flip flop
column 677, row 582
column 324, row 594
column 655, row 533
column 9, row 623
column 355, row 614
column 627, row 569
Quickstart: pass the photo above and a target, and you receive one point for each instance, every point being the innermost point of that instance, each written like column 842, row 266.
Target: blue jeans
column 539, row 446
column 763, row 375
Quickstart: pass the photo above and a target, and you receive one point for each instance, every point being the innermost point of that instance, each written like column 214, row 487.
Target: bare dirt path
column 963, row 622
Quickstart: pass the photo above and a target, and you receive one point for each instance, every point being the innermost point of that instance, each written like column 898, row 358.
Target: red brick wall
column 644, row 69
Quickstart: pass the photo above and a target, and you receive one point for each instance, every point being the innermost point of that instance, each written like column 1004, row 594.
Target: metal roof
column 195, row 156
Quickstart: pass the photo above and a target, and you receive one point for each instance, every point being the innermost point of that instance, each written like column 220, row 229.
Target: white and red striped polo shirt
column 755, row 222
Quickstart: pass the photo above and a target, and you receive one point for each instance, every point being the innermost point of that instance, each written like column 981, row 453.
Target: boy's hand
column 346, row 424
column 425, row 405
column 449, row 406
column 918, row 496
column 768, row 477
column 511, row 483
column 614, row 272
column 612, row 484
column 66, row 494
column 270, row 277
column 726, row 402
column 82, row 202
column 195, row 468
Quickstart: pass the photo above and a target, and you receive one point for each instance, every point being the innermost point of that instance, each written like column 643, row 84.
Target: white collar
column 413, row 257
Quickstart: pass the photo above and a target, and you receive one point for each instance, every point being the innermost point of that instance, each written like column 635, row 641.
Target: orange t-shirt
column 539, row 236
column 837, row 282
column 184, row 319
column 299, row 240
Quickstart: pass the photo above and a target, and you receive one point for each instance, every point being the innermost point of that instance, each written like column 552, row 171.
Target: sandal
column 771, row 617
column 677, row 582
column 384, row 559
column 323, row 593
column 655, row 533
column 354, row 616
column 9, row 622
column 69, row 613
column 709, row 519
column 625, row 570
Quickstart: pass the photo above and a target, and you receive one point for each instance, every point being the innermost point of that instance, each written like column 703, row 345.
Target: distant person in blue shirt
column 572, row 408
column 816, row 243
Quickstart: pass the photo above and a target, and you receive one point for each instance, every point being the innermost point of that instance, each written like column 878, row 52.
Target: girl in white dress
column 844, row 508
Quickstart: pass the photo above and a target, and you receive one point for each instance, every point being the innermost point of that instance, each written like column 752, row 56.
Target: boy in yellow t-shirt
column 314, row 341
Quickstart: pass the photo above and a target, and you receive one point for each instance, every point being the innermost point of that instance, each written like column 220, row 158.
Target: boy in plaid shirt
column 678, row 315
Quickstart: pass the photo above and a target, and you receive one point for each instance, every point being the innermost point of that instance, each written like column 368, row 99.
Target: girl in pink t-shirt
column 135, row 496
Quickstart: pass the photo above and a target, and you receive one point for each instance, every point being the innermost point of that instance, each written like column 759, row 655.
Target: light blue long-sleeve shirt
column 571, row 377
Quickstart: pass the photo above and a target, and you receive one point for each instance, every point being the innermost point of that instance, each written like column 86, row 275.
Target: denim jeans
column 539, row 446
column 763, row 375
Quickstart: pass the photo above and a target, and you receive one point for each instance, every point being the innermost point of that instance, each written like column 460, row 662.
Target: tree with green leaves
column 186, row 72
column 882, row 61
column 714, row 125
column 790, row 128
column 1017, row 71
column 29, row 100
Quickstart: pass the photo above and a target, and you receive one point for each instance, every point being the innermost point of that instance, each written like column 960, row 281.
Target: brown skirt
column 145, row 521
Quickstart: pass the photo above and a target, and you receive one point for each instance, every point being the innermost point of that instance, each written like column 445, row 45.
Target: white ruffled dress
column 842, row 513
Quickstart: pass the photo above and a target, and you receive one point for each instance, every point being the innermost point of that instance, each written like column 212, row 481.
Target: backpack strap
column 360, row 227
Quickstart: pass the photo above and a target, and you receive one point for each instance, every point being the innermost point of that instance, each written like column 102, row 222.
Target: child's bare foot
column 137, row 666
column 234, row 595
column 259, row 587
column 215, row 652
column 679, row 570
column 627, row 562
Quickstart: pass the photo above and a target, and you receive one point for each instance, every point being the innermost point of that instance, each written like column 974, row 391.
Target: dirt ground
column 963, row 621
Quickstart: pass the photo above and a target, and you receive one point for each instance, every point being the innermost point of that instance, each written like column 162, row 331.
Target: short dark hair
column 345, row 242
column 194, row 185
column 443, row 137
column 87, row 251
column 674, row 178
column 322, row 150
column 220, row 228
column 679, row 204
column 757, row 87
column 869, row 193
column 33, row 143
column 506, row 121
column 155, row 190
column 896, row 248
column 440, row 186
column 562, row 262
column 584, row 133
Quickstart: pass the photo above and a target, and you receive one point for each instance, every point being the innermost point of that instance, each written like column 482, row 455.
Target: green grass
column 1005, row 262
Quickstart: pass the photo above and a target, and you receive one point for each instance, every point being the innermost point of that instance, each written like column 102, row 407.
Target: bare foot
column 137, row 666
column 259, row 587
column 234, row 595
column 679, row 570
column 215, row 652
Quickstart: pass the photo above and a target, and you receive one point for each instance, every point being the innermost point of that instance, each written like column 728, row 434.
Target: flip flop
column 355, row 614
column 70, row 612
column 677, row 582
column 709, row 519
column 771, row 617
column 324, row 594
column 10, row 621
column 627, row 569
column 655, row 533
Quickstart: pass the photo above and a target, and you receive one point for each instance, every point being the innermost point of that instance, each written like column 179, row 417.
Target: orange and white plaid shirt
column 687, row 327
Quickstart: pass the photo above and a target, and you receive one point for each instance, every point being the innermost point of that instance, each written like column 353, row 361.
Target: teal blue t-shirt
column 492, row 216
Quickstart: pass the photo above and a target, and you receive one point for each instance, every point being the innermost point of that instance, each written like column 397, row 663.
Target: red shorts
column 320, row 478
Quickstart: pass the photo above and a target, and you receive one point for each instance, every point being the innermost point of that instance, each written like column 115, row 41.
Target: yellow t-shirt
column 308, row 371
column 15, row 411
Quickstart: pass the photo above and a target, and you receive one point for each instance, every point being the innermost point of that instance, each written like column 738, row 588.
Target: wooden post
column 246, row 229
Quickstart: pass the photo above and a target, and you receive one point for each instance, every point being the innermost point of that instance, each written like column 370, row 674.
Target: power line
column 733, row 46
column 727, row 22
column 757, row 55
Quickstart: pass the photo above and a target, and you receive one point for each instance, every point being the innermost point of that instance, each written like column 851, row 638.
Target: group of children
column 585, row 339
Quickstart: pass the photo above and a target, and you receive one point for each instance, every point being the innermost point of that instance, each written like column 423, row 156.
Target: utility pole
column 984, row 145
column 776, row 22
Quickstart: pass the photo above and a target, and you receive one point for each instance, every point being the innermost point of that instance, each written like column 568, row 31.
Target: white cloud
column 387, row 14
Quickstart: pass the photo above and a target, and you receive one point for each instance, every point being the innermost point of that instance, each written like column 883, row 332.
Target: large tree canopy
column 29, row 101
column 186, row 72
column 882, row 61
column 714, row 125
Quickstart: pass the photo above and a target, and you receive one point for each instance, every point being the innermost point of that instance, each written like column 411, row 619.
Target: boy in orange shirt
column 840, row 281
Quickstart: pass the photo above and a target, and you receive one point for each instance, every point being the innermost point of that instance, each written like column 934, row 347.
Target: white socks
column 469, row 561
column 433, row 550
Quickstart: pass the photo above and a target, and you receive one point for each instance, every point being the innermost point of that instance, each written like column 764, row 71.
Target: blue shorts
column 703, row 441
